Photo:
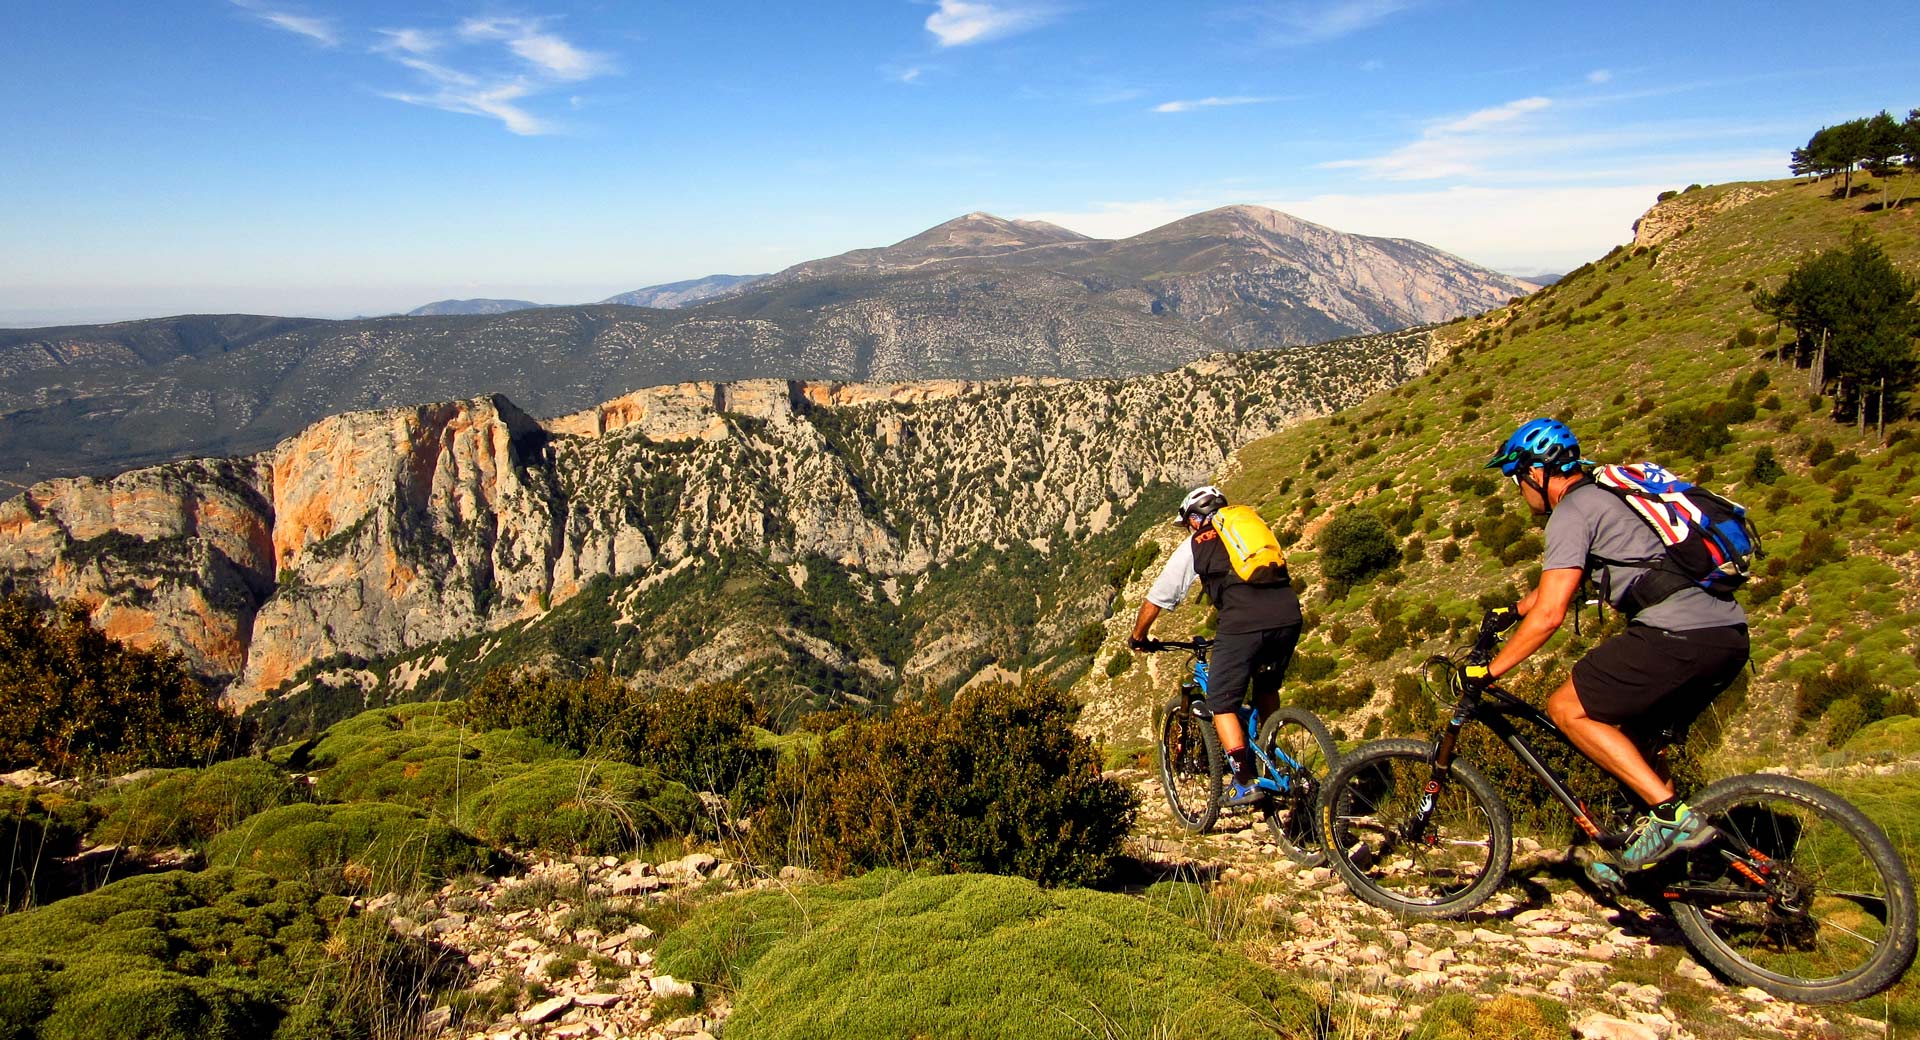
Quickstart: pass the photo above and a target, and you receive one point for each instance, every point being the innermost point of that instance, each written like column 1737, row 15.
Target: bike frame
column 1200, row 649
column 1497, row 710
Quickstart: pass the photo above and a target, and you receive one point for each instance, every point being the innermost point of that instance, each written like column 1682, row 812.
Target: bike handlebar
column 1155, row 646
column 1492, row 626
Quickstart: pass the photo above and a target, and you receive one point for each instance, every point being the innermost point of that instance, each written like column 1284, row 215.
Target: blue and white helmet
column 1538, row 442
column 1203, row 501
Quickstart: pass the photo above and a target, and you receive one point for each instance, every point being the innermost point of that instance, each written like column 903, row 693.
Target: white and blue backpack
column 1710, row 544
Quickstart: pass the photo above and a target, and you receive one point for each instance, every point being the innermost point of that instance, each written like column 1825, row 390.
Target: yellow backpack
column 1250, row 545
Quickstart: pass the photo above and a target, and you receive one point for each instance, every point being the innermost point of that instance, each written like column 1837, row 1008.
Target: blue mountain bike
column 1293, row 753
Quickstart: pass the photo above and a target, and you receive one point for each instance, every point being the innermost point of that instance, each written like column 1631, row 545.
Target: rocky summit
column 373, row 533
column 977, row 297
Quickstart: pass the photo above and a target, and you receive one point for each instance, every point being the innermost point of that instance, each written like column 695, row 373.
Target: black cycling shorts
column 1240, row 658
column 1649, row 679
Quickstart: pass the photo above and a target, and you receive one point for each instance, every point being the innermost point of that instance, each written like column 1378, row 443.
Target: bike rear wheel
column 1801, row 895
column 1370, row 821
column 1192, row 765
column 1303, row 753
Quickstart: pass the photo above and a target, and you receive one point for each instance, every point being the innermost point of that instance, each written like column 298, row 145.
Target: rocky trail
column 1621, row 968
column 563, row 951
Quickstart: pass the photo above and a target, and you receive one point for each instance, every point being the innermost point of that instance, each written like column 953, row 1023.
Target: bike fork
column 1436, row 779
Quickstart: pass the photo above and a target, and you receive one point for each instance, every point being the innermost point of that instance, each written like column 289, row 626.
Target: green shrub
column 999, row 782
column 1458, row 1016
column 703, row 737
column 1765, row 469
column 1692, row 432
column 1846, row 693
column 1819, row 546
column 74, row 702
column 1306, row 668
column 218, row 955
column 368, row 846
column 185, row 807
column 582, row 805
column 1355, row 546
column 501, row 785
column 974, row 956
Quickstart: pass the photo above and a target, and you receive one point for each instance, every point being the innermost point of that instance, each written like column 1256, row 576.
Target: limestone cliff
column 375, row 532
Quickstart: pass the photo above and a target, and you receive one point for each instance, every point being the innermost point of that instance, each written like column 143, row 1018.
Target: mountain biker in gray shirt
column 1652, row 680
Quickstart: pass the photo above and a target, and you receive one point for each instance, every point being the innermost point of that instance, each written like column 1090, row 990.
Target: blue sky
column 332, row 158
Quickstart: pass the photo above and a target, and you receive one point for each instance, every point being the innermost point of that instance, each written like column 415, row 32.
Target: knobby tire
column 1192, row 765
column 1454, row 866
column 1291, row 814
column 1839, row 925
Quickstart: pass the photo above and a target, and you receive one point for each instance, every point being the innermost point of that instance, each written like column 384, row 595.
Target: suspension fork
column 1442, row 760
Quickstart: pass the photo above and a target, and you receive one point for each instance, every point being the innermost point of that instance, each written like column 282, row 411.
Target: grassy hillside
column 1652, row 352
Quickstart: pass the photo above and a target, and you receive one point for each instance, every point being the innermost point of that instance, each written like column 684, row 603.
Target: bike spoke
column 1376, row 810
column 1819, row 912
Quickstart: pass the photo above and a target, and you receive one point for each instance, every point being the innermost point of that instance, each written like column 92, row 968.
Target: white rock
column 599, row 1000
column 1596, row 1026
column 634, row 884
column 1693, row 972
column 1648, row 995
column 667, row 987
column 546, row 1010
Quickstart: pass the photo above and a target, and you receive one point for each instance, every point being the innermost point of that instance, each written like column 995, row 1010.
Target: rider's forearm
column 1143, row 621
column 1540, row 615
column 1534, row 631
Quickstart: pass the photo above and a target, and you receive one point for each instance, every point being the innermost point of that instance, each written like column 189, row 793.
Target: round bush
column 1355, row 546
column 207, row 956
column 184, row 807
column 999, row 782
column 974, row 956
column 367, row 846
column 582, row 806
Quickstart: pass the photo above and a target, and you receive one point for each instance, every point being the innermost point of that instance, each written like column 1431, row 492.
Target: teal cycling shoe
column 1655, row 838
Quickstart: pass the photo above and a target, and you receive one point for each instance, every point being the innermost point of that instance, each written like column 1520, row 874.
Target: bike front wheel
column 1192, row 765
column 1398, row 853
column 1302, row 753
column 1800, row 894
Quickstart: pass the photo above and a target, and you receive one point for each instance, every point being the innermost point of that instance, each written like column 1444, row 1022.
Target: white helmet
column 1201, row 501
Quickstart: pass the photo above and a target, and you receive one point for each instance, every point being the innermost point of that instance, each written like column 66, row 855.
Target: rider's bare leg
column 1232, row 733
column 1609, row 748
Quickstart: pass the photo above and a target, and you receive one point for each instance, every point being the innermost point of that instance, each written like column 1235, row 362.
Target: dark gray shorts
column 1649, row 679
column 1243, row 659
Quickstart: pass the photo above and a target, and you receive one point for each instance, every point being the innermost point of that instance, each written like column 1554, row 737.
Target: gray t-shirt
column 1592, row 521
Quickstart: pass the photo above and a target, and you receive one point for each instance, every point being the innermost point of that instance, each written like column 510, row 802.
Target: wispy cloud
column 458, row 70
column 539, row 48
column 910, row 75
column 320, row 30
column 1449, row 147
column 957, row 23
column 1315, row 22
column 1598, row 76
column 1210, row 102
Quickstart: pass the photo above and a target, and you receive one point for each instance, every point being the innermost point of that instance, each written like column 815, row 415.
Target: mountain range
column 974, row 298
column 669, row 296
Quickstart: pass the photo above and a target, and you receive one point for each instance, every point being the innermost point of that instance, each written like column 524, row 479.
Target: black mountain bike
column 1292, row 754
column 1800, row 894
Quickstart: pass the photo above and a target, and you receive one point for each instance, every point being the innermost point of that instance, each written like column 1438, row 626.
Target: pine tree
column 1855, row 318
